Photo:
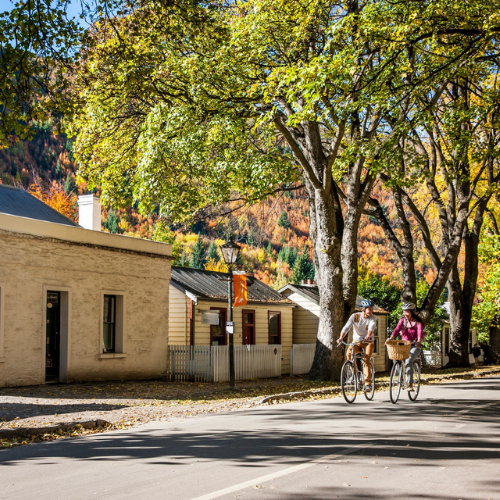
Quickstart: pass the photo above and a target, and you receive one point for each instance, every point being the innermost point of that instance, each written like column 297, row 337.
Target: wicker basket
column 398, row 349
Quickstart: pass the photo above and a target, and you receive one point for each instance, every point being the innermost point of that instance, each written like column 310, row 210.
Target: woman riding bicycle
column 410, row 328
column 363, row 325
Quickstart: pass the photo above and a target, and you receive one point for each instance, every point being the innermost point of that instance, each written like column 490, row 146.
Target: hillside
column 273, row 234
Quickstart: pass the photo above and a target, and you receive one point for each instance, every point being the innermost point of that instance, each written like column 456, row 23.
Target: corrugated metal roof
column 16, row 201
column 311, row 292
column 210, row 285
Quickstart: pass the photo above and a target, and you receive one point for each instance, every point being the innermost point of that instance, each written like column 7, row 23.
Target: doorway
column 53, row 336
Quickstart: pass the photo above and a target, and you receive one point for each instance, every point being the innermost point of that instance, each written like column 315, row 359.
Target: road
column 444, row 446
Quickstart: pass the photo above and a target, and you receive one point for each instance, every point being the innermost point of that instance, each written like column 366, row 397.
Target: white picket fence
column 433, row 358
column 211, row 363
column 301, row 358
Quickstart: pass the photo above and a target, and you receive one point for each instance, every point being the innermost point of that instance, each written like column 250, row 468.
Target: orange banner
column 240, row 289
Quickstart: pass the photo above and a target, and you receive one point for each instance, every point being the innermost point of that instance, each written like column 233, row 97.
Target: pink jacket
column 410, row 330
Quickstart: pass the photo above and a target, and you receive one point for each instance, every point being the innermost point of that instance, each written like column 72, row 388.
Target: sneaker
column 410, row 388
column 367, row 388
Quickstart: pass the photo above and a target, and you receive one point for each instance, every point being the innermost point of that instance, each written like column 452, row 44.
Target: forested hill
column 274, row 233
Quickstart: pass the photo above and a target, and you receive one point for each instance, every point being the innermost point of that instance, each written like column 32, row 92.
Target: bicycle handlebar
column 353, row 343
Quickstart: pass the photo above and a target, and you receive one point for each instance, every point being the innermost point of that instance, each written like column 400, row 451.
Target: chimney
column 89, row 212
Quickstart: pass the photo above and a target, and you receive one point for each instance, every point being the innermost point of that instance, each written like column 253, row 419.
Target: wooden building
column 198, row 299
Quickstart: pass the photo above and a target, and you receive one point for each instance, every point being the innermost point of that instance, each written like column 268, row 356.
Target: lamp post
column 230, row 251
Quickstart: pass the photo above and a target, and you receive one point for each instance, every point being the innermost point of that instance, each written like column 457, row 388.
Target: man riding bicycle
column 363, row 325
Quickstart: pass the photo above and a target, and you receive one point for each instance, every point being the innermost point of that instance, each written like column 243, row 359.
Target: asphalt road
column 444, row 446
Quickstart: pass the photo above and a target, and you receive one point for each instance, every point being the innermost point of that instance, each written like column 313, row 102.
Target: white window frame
column 119, row 325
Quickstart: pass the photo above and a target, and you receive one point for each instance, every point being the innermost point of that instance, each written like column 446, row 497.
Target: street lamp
column 230, row 251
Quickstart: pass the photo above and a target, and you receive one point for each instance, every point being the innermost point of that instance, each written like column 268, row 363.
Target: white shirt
column 360, row 325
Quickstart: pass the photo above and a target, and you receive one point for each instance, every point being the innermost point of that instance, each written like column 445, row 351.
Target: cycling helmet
column 366, row 303
column 408, row 306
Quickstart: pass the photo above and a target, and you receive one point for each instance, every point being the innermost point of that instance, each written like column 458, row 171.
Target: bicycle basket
column 398, row 349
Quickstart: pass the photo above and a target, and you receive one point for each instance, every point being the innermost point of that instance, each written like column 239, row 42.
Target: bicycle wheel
column 416, row 382
column 348, row 382
column 395, row 381
column 369, row 394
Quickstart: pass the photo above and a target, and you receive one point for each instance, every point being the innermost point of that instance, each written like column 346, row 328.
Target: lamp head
column 230, row 251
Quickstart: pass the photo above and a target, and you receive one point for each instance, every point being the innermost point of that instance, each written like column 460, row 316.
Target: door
column 248, row 327
column 218, row 332
column 53, row 336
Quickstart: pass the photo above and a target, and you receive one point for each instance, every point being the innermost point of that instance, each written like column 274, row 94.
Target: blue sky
column 74, row 8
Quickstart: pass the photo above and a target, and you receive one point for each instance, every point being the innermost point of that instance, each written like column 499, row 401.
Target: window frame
column 269, row 314
column 120, row 309
column 243, row 325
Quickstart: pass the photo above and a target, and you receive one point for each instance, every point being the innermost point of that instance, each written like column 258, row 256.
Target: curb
column 289, row 396
column 50, row 429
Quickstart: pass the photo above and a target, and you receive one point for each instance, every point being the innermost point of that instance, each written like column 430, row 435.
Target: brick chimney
column 89, row 212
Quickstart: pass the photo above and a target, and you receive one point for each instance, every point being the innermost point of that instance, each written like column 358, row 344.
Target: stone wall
column 31, row 265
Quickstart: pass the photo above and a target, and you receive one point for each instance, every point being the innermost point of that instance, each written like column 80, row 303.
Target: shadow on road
column 272, row 442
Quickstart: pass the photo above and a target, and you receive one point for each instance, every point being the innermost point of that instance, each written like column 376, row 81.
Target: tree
column 56, row 198
column 198, row 258
column 37, row 45
column 486, row 311
column 112, row 221
column 213, row 254
column 58, row 170
column 230, row 93
column 283, row 221
column 302, row 270
column 69, row 185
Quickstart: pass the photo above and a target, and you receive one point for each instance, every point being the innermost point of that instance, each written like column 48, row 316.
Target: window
column 218, row 332
column 109, row 324
column 113, row 324
column 248, row 327
column 274, row 328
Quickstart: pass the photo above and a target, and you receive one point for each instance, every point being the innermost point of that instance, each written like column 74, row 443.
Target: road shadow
column 272, row 443
column 13, row 411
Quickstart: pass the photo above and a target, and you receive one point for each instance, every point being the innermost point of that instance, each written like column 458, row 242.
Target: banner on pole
column 240, row 289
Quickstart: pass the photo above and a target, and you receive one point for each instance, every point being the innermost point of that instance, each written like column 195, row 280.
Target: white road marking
column 281, row 473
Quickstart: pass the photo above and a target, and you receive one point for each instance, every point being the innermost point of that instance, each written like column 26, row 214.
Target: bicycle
column 398, row 373
column 350, row 375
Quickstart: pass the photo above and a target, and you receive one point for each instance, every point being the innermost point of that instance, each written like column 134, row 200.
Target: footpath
column 43, row 413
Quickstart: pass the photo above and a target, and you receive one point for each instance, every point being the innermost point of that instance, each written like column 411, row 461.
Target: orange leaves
column 56, row 198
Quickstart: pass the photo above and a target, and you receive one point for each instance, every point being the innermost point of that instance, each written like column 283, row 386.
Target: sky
column 74, row 8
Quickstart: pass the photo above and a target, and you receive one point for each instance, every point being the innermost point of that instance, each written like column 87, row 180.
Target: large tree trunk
column 326, row 236
column 459, row 323
column 462, row 297
column 492, row 351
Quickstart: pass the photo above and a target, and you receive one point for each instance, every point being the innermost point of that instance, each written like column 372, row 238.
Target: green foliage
column 69, row 184
column 486, row 311
column 112, row 221
column 384, row 294
column 283, row 221
column 163, row 233
column 213, row 254
column 58, row 170
column 38, row 43
column 302, row 270
column 435, row 325
column 198, row 257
